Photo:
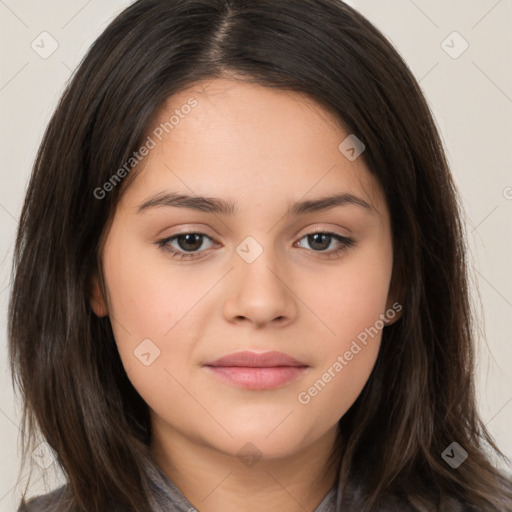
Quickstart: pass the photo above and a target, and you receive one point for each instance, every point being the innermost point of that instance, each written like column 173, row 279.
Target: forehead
column 232, row 138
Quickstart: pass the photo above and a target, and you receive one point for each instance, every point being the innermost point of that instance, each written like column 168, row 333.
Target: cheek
column 149, row 301
column 345, row 358
column 334, row 388
column 352, row 299
column 352, row 305
column 152, row 317
column 147, row 295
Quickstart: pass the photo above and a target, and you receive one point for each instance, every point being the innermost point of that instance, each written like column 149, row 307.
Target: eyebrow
column 220, row 206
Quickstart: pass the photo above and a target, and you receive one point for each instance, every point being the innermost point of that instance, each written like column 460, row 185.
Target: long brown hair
column 420, row 396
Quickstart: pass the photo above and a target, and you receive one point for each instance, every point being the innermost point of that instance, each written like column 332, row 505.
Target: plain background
column 470, row 93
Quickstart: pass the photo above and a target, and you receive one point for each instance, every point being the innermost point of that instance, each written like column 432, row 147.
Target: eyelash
column 163, row 244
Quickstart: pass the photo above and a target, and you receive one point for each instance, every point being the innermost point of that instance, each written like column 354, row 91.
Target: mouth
column 257, row 371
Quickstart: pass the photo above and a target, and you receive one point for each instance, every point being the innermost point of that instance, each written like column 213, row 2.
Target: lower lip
column 257, row 378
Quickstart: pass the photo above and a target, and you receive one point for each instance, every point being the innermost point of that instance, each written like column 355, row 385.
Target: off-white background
column 471, row 96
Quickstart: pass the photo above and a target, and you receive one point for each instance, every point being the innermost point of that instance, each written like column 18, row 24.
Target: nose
column 260, row 293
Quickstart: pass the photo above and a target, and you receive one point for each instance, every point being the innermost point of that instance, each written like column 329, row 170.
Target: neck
column 214, row 481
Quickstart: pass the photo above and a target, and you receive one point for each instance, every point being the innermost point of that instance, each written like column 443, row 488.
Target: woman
column 178, row 334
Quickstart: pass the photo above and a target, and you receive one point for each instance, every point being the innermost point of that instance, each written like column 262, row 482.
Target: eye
column 319, row 241
column 191, row 245
column 188, row 244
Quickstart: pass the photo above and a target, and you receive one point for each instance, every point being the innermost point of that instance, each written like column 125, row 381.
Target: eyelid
column 344, row 242
column 311, row 230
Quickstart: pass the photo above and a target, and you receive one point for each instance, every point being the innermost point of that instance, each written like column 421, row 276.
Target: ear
column 97, row 300
column 394, row 304
column 394, row 310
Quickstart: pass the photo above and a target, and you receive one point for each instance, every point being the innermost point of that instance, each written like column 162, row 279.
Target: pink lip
column 255, row 360
column 250, row 370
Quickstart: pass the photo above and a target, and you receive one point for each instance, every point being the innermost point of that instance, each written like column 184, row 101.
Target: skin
column 261, row 149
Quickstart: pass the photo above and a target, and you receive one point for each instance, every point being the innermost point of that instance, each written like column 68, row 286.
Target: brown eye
column 190, row 241
column 185, row 245
column 321, row 241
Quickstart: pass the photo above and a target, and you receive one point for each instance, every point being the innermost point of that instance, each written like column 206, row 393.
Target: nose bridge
column 257, row 264
column 258, row 291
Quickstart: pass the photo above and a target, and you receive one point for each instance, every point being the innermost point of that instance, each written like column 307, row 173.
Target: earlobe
column 394, row 310
column 97, row 300
column 396, row 298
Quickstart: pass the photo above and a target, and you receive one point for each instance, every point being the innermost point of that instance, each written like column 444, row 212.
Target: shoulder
column 54, row 501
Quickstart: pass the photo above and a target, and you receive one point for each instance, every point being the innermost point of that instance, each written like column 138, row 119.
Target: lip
column 257, row 371
column 250, row 359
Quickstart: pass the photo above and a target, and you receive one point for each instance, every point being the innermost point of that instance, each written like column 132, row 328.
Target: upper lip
column 256, row 360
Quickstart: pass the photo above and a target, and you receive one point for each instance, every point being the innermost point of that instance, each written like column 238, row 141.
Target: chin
column 268, row 442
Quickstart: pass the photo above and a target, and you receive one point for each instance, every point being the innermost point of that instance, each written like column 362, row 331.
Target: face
column 262, row 266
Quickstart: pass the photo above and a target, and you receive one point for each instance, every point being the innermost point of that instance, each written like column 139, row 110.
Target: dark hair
column 420, row 395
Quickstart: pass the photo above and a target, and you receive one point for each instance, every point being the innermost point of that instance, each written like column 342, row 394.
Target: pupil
column 195, row 244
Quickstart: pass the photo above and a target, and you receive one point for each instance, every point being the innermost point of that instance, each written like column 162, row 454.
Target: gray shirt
column 166, row 497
